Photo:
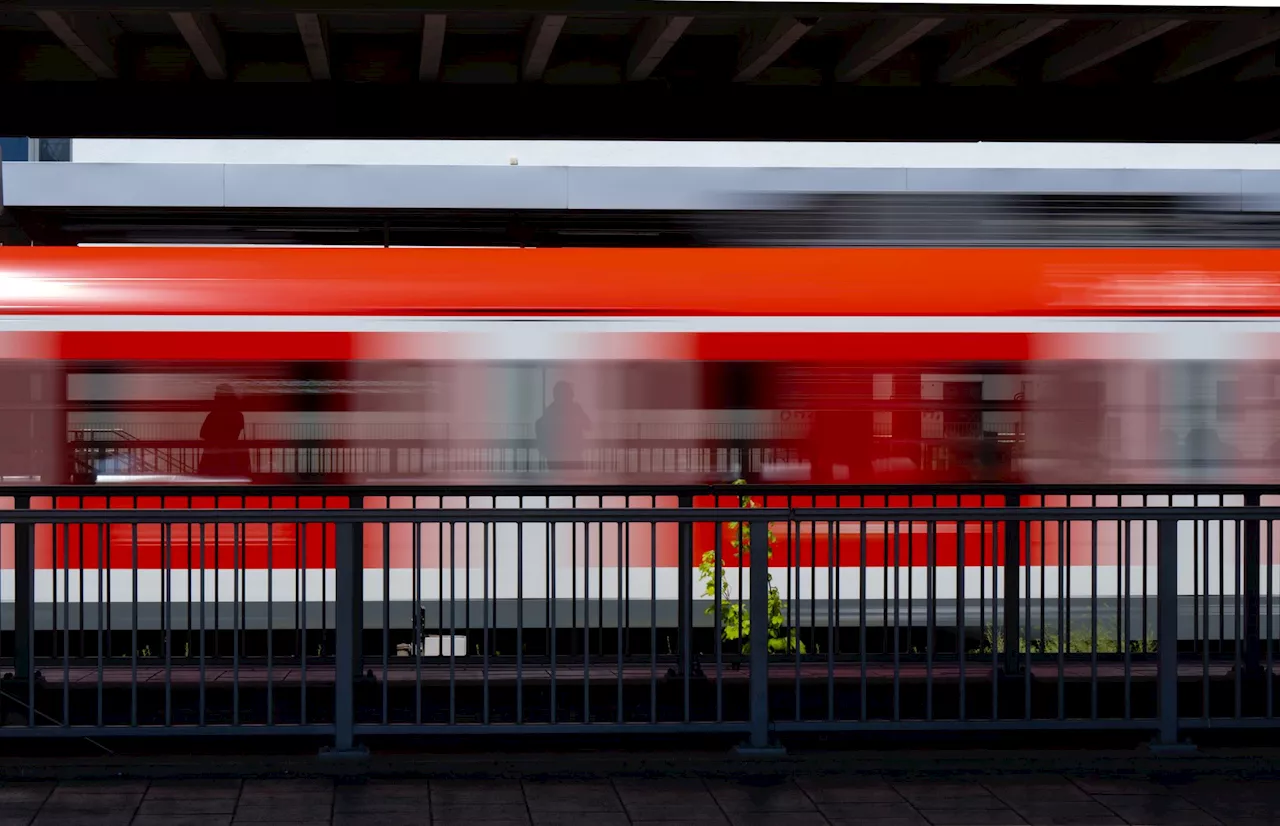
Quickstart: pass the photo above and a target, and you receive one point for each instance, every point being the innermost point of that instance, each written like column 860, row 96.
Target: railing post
column 1167, row 634
column 348, row 622
column 24, row 589
column 1012, row 586
column 758, row 637
column 684, row 601
column 1253, row 590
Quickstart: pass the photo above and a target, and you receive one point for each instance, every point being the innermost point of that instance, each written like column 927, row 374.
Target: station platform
column 867, row 798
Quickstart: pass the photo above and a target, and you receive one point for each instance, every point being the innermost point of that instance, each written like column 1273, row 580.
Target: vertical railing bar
column 1251, row 561
column 453, row 623
column 1238, row 624
column 520, row 620
column 1204, row 688
column 1012, row 570
column 271, row 605
column 1145, row 571
column 833, row 586
column 573, row 587
column 1026, row 602
column 999, row 536
column 653, row 614
column 83, row 630
column 66, row 623
column 742, row 532
column 217, row 585
column 961, row 619
column 419, row 618
column 553, row 538
column 440, row 577
column 997, row 652
column 759, row 685
column 599, row 583
column 911, row 569
column 813, row 590
column 490, row 529
column 324, row 579
column 386, row 617
column 862, row 613
column 1064, row 639
column 1043, row 574
column 897, row 624
column 133, row 686
column 1127, row 613
column 1065, row 566
column 794, row 549
column 835, row 639
column 348, row 611
column 25, row 603
column 1222, row 580
column 236, row 560
column 102, row 606
column 203, row 583
column 466, row 586
column 110, row 601
column 982, row 576
column 1270, row 676
column 586, row 619
column 623, row 559
column 166, row 595
column 1195, row 577
column 630, row 528
column 302, row 562
column 718, row 596
column 931, row 616
column 1167, row 627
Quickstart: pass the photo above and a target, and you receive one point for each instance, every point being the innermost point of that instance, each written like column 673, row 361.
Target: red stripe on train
column 803, row 544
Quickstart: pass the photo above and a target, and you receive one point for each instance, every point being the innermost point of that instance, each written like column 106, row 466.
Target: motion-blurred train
column 454, row 368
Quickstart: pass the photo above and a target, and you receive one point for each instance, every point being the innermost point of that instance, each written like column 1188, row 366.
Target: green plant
column 1081, row 641
column 735, row 619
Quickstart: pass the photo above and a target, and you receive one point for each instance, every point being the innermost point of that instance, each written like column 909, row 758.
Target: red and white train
column 456, row 367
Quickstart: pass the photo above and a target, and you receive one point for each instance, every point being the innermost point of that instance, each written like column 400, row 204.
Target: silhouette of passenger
column 1203, row 446
column 224, row 454
column 562, row 430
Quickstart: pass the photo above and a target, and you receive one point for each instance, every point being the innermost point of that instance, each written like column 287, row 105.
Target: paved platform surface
column 826, row 800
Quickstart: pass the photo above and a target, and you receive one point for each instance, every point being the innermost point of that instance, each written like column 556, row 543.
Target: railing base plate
column 355, row 753
column 747, row 750
column 1172, row 749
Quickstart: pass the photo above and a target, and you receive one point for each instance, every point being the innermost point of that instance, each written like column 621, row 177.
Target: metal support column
column 1012, row 587
column 348, row 622
column 758, row 637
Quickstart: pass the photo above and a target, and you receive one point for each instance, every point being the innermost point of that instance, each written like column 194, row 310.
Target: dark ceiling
column 644, row 69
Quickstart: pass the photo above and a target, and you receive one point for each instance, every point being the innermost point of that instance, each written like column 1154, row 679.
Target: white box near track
column 438, row 646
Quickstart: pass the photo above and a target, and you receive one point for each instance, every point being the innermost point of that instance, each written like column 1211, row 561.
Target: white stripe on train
column 551, row 324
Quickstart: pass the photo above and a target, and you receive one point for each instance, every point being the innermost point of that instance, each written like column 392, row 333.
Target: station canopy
column 702, row 69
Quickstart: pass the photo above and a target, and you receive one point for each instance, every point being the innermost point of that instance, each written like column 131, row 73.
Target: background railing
column 357, row 612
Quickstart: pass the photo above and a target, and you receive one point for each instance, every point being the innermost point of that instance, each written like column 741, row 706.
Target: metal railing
column 355, row 612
